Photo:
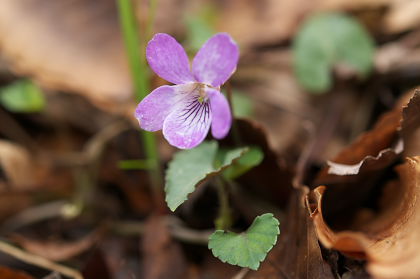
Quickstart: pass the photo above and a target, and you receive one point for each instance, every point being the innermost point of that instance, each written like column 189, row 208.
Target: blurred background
column 66, row 120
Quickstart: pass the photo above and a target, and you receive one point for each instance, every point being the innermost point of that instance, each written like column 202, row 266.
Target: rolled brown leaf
column 389, row 240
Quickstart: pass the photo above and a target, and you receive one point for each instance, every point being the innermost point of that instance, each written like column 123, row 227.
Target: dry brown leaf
column 297, row 253
column 8, row 273
column 398, row 55
column 390, row 238
column 258, row 23
column 76, row 45
column 259, row 180
column 279, row 102
column 373, row 150
column 339, row 5
column 163, row 258
column 67, row 45
column 57, row 250
column 384, row 158
column 383, row 133
column 18, row 166
column 410, row 126
column 403, row 15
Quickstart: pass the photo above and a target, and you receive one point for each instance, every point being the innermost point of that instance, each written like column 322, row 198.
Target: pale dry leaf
column 261, row 22
column 18, row 166
column 67, row 45
column 403, row 15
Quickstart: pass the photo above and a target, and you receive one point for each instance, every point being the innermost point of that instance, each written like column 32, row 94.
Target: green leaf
column 247, row 249
column 192, row 167
column 326, row 40
column 250, row 159
column 22, row 96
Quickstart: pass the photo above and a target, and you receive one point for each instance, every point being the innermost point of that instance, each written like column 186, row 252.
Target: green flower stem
column 224, row 220
column 133, row 47
column 140, row 76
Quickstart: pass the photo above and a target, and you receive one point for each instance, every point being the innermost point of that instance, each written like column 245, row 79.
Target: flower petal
column 155, row 107
column 216, row 61
column 168, row 59
column 221, row 115
column 187, row 125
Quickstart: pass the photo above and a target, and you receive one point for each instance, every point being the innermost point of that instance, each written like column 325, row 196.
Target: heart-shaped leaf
column 191, row 167
column 326, row 40
column 247, row 249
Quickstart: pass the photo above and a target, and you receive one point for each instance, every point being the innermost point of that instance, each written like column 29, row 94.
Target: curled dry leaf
column 379, row 147
column 390, row 239
column 410, row 126
column 383, row 159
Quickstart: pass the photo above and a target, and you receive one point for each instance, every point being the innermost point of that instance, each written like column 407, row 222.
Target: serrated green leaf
column 326, row 40
column 247, row 249
column 192, row 167
column 22, row 96
column 253, row 157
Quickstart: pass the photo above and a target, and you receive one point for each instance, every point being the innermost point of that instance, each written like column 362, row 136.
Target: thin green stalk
column 224, row 220
column 134, row 47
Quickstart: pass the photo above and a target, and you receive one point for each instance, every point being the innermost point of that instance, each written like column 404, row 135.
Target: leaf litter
column 361, row 202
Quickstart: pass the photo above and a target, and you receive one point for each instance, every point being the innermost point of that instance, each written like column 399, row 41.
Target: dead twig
column 38, row 261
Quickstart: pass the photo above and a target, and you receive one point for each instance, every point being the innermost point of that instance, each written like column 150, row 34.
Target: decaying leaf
column 18, row 166
column 7, row 273
column 253, row 22
column 259, row 180
column 410, row 126
column 64, row 37
column 388, row 239
column 57, row 250
column 379, row 147
column 383, row 159
column 402, row 16
column 74, row 46
column 163, row 256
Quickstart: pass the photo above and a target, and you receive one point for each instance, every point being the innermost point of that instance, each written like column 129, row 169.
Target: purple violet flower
column 186, row 110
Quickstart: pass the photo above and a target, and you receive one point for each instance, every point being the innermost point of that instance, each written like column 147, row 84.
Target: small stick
column 38, row 261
